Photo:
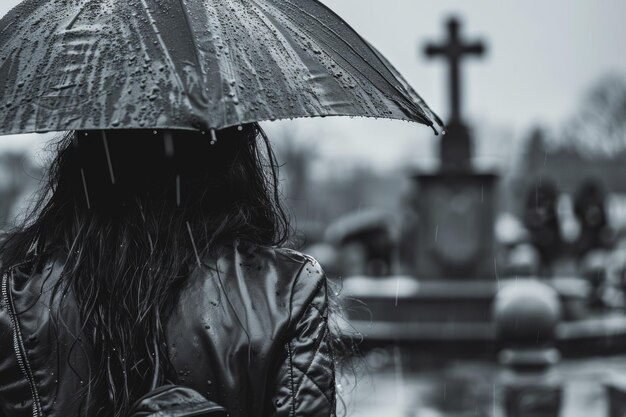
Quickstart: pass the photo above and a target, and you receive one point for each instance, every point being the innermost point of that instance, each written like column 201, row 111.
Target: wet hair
column 132, row 212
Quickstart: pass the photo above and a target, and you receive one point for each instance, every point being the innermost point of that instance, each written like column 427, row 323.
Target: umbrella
column 358, row 222
column 189, row 64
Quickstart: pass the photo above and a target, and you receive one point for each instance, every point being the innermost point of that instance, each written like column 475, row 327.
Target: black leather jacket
column 280, row 365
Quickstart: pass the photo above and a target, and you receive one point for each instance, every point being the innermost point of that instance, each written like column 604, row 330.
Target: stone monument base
column 455, row 317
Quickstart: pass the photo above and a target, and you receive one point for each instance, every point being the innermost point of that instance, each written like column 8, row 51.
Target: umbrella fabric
column 357, row 222
column 189, row 64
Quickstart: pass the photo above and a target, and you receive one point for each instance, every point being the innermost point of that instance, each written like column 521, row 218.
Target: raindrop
column 168, row 143
column 82, row 173
column 193, row 243
column 108, row 155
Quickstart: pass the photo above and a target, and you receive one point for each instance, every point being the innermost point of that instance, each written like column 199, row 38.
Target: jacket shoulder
column 289, row 261
column 297, row 272
column 309, row 286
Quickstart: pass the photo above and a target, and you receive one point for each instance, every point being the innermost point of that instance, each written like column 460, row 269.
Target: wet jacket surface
column 252, row 336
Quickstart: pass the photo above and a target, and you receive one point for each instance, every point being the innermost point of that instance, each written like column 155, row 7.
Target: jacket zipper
column 18, row 347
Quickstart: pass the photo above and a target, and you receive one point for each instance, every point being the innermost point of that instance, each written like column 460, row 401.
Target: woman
column 149, row 277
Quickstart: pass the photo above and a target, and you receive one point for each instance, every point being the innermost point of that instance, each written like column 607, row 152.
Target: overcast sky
column 542, row 55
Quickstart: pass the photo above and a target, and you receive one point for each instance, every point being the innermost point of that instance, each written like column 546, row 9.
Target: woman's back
column 250, row 334
column 133, row 274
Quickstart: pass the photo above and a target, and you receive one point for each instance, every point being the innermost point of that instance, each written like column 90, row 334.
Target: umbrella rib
column 429, row 113
column 219, row 65
column 345, row 68
column 391, row 84
column 286, row 50
column 163, row 48
column 81, row 9
column 191, row 36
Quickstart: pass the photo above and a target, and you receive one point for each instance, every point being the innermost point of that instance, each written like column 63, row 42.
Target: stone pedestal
column 456, row 212
column 456, row 148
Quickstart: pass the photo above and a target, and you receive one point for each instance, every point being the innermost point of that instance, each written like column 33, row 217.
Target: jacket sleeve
column 304, row 385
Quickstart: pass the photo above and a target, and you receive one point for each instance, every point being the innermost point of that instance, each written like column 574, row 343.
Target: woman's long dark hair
column 132, row 212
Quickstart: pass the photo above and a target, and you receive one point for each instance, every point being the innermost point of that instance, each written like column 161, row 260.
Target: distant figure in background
column 378, row 248
column 590, row 209
column 365, row 242
column 541, row 220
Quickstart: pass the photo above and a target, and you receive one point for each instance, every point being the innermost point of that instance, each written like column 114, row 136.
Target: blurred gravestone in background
column 456, row 205
column 541, row 220
column 590, row 209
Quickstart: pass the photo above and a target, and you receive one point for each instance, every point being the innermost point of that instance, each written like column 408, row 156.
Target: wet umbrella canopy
column 189, row 64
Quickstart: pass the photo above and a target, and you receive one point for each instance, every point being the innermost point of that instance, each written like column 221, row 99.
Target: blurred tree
column 296, row 155
column 318, row 194
column 528, row 171
column 356, row 189
column 599, row 125
column 296, row 158
column 14, row 184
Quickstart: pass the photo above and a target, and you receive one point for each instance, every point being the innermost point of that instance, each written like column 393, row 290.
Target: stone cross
column 454, row 50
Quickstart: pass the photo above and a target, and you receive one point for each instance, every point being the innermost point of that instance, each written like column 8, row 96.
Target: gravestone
column 456, row 205
column 455, row 238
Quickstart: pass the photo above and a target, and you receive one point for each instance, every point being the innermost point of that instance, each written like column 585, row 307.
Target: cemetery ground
column 394, row 382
